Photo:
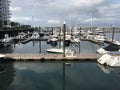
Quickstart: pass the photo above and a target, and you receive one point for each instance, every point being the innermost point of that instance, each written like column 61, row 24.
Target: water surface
column 58, row 76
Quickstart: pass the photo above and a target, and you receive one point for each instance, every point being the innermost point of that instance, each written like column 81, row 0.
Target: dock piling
column 64, row 30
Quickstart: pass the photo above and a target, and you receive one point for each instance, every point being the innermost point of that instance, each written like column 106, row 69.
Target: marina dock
column 52, row 57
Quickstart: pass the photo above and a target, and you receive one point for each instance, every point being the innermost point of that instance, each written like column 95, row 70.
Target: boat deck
column 52, row 57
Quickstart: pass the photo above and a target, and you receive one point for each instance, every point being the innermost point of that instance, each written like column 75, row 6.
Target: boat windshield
column 114, row 53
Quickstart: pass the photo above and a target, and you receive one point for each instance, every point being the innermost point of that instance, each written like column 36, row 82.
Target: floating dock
column 52, row 57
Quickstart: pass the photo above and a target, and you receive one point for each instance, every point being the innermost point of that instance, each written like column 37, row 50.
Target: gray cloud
column 66, row 10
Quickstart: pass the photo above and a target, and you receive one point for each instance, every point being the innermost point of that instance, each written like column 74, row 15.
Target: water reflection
column 37, row 76
column 7, row 49
column 59, row 76
column 107, row 69
column 6, row 75
column 41, row 46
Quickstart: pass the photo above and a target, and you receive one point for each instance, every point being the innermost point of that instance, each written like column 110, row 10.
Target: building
column 4, row 11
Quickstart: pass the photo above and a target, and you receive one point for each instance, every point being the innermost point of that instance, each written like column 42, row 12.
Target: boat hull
column 58, row 51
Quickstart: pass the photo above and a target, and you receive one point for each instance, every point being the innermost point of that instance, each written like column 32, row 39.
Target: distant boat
column 53, row 40
column 41, row 34
column 115, row 42
column 99, row 38
column 111, row 59
column 6, row 41
column 75, row 39
column 21, row 35
column 35, row 35
column 98, row 30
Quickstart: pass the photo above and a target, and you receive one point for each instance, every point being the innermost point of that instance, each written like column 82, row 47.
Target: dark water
column 58, row 76
column 29, row 48
column 36, row 47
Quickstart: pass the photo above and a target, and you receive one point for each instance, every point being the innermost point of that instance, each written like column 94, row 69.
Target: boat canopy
column 112, row 47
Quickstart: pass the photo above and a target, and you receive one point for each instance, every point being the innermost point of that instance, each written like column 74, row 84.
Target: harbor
column 59, row 45
column 70, row 50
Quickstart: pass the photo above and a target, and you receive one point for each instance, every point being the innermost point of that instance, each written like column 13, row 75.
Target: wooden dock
column 52, row 57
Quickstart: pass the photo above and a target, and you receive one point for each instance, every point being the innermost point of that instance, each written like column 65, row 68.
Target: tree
column 15, row 24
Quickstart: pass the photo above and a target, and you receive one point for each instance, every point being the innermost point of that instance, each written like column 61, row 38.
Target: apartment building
column 4, row 10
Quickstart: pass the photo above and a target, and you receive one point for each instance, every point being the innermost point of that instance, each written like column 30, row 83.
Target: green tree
column 15, row 24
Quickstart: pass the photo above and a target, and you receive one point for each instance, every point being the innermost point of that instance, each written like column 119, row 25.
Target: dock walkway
column 52, row 57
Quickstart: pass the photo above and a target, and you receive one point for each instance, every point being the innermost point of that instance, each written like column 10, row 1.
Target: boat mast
column 91, row 21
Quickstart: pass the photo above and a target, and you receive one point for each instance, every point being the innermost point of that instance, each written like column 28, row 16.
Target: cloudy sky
column 74, row 12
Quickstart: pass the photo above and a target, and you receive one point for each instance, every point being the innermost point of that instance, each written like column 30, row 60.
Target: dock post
column 113, row 33
column 80, row 37
column 80, row 33
column 39, row 40
column 64, row 30
column 52, row 30
column 60, row 37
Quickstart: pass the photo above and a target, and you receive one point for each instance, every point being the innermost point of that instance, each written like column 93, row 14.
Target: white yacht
column 75, row 39
column 101, row 51
column 115, row 42
column 59, row 50
column 35, row 35
column 112, row 59
column 75, row 31
column 68, row 52
column 99, row 38
column 99, row 35
column 98, row 30
column 109, row 48
column 21, row 35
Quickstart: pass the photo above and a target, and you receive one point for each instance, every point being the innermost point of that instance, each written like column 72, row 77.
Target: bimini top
column 112, row 47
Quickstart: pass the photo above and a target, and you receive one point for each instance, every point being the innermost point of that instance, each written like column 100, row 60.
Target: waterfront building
column 4, row 11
